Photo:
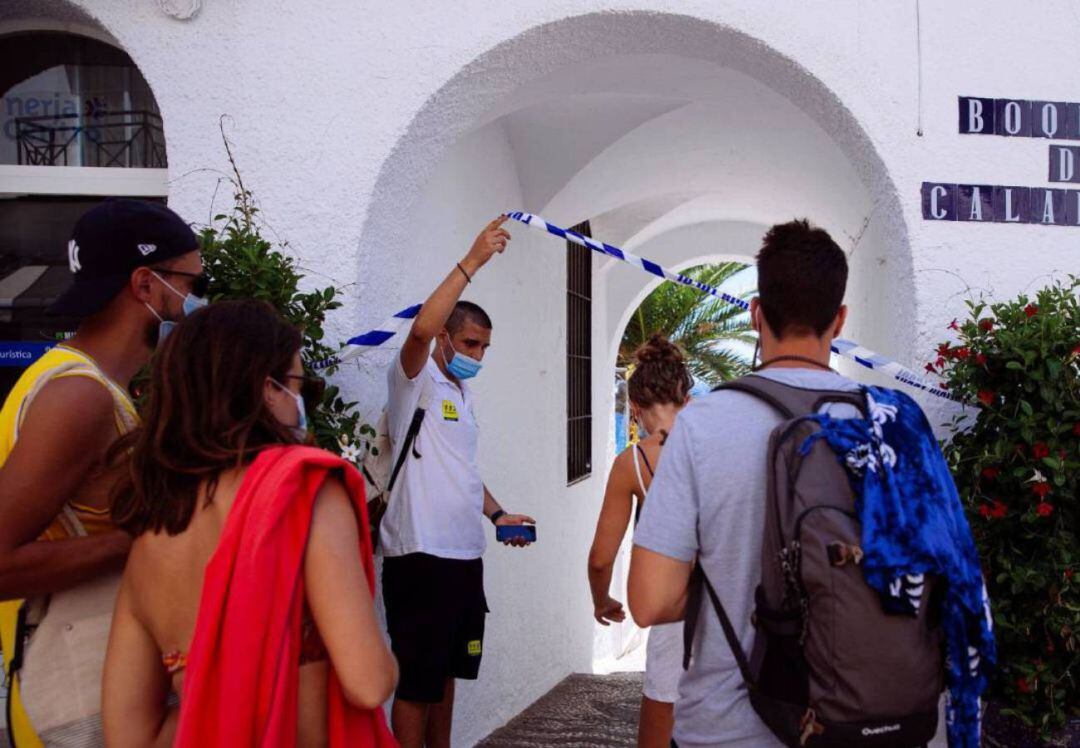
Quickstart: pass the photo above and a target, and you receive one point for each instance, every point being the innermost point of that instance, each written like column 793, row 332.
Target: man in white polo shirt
column 433, row 534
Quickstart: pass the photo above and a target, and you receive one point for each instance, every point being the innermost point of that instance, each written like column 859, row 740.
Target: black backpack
column 829, row 667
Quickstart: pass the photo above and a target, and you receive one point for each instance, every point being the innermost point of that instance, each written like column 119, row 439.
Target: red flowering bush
column 1018, row 471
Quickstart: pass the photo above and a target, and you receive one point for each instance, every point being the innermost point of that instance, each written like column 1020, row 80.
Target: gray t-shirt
column 707, row 501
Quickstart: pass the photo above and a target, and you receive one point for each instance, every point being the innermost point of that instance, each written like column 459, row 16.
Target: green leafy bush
column 1018, row 471
column 242, row 264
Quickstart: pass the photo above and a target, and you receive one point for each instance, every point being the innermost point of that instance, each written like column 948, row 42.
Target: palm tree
column 699, row 323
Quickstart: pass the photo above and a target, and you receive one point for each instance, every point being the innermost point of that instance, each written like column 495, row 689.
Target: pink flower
column 986, row 396
column 1023, row 686
column 1040, row 450
column 986, row 325
column 1041, row 489
column 1044, row 509
column 953, row 325
column 930, row 368
column 999, row 510
column 1031, row 310
column 980, row 359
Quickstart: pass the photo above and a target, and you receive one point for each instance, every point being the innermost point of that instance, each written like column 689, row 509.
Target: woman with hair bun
column 658, row 388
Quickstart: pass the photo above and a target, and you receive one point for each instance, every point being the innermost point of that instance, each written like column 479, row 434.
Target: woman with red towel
column 248, row 592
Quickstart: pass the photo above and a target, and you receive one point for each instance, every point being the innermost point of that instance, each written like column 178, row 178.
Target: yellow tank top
column 59, row 362
column 74, row 520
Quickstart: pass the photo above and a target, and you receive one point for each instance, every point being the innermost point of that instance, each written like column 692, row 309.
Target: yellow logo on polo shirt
column 449, row 410
column 475, row 648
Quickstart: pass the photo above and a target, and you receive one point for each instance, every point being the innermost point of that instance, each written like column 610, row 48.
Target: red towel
column 240, row 684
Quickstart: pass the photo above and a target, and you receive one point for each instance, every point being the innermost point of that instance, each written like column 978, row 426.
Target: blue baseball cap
column 109, row 242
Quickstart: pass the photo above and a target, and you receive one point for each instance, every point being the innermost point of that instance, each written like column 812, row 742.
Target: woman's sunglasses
column 200, row 282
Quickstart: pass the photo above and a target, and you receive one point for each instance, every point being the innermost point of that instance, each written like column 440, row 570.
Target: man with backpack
column 801, row 630
column 432, row 534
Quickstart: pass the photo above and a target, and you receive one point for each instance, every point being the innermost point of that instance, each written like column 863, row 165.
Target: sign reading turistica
column 1014, row 118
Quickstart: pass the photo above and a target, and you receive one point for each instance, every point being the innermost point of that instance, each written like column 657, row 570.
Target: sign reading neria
column 943, row 201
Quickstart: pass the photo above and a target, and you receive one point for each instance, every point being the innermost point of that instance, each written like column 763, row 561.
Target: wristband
column 467, row 276
column 496, row 515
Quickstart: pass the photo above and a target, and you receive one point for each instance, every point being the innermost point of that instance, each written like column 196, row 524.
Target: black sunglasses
column 200, row 282
column 312, row 389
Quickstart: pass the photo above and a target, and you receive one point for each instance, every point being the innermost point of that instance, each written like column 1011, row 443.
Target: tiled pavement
column 583, row 711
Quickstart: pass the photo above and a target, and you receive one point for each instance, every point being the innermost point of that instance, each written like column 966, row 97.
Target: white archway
column 678, row 139
column 524, row 72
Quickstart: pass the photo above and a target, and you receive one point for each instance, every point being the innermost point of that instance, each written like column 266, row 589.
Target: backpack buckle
column 841, row 553
column 809, row 726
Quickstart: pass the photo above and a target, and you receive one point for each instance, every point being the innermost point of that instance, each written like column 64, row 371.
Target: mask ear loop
column 439, row 348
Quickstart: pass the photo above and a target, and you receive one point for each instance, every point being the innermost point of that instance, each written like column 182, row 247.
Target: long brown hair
column 205, row 413
column 660, row 375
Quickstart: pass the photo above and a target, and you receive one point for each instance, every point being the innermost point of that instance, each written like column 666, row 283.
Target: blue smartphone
column 511, row 532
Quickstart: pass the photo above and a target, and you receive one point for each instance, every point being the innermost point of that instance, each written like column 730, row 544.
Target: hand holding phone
column 523, row 534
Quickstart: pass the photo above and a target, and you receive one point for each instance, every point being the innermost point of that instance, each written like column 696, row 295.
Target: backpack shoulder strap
column 425, row 391
column 698, row 582
column 791, row 402
column 407, row 444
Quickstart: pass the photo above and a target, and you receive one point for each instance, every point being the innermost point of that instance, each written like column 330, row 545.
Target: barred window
column 578, row 359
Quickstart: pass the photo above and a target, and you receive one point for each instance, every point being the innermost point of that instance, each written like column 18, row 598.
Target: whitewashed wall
column 377, row 136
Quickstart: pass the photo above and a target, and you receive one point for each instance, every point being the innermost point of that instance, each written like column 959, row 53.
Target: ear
column 838, row 323
column 140, row 283
column 271, row 392
column 755, row 312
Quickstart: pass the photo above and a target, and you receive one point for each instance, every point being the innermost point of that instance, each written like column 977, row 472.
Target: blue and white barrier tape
column 846, row 348
column 372, row 338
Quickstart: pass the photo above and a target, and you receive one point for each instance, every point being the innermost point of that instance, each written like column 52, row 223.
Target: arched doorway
column 78, row 124
column 676, row 138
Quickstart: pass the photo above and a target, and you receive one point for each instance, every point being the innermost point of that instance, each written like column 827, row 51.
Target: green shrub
column 242, row 264
column 1018, row 471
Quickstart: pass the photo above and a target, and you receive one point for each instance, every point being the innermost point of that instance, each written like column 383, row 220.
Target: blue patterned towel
column 913, row 525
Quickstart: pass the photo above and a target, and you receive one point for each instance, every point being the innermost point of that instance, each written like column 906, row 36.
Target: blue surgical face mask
column 165, row 326
column 192, row 303
column 461, row 366
column 300, row 430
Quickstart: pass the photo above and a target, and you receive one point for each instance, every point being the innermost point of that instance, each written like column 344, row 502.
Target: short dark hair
column 802, row 275
column 467, row 311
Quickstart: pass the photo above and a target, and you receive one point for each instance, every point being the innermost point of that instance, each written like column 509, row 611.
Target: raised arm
column 438, row 307
column 610, row 528
column 341, row 601
column 61, row 444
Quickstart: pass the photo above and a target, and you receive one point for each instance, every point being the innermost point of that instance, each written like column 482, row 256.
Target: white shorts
column 663, row 662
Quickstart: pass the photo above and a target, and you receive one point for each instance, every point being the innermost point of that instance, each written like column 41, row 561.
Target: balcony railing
column 131, row 139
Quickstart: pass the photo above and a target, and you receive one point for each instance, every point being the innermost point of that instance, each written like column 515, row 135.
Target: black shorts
column 435, row 609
